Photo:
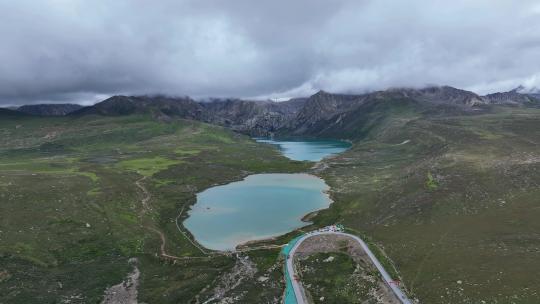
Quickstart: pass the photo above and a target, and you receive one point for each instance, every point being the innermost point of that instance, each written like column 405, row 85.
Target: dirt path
column 260, row 248
column 145, row 202
column 185, row 235
column 146, row 207
column 146, row 194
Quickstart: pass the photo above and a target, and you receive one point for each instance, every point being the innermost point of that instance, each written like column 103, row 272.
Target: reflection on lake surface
column 306, row 149
column 261, row 206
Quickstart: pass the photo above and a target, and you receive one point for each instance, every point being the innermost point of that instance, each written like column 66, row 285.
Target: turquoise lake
column 262, row 205
column 258, row 207
column 306, row 149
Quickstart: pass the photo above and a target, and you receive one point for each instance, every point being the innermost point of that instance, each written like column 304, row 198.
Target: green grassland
column 450, row 203
column 71, row 214
column 454, row 201
column 336, row 278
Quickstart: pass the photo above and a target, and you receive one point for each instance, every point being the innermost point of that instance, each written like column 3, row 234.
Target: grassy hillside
column 454, row 200
column 452, row 196
column 71, row 214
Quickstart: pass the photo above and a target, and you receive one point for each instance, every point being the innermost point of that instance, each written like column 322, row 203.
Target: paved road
column 297, row 286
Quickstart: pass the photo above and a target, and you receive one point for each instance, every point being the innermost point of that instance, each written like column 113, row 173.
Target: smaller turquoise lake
column 258, row 207
column 307, row 149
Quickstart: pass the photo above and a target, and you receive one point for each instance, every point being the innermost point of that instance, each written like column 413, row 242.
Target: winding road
column 297, row 295
column 299, row 292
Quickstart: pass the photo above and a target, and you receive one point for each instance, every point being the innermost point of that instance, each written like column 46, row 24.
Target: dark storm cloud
column 83, row 51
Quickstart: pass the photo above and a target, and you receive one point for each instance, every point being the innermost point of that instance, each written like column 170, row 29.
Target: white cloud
column 79, row 51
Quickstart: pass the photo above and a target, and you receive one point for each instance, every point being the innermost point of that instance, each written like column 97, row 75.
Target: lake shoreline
column 249, row 237
column 258, row 207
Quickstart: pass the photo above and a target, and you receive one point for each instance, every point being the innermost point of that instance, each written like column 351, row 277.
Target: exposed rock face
column 321, row 107
column 533, row 92
column 335, row 115
column 535, row 95
column 49, row 109
column 258, row 118
column 322, row 114
column 450, row 95
column 350, row 116
column 437, row 95
column 511, row 97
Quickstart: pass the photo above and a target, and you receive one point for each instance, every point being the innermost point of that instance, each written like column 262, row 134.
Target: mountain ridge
column 321, row 114
column 49, row 109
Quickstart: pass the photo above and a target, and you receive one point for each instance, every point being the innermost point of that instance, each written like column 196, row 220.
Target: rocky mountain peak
column 510, row 97
column 320, row 93
column 530, row 91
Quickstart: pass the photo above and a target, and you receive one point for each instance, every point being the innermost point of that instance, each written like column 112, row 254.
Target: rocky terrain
column 259, row 118
column 322, row 114
column 532, row 92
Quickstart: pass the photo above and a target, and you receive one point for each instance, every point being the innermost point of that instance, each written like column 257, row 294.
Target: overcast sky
column 84, row 51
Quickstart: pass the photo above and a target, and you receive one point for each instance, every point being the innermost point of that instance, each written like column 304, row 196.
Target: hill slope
column 74, row 219
column 49, row 109
column 452, row 199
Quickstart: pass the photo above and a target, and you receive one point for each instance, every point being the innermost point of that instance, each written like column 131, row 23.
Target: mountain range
column 322, row 114
column 442, row 183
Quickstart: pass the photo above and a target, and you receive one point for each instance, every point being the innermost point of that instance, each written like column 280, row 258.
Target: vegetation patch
column 431, row 182
column 185, row 152
column 148, row 166
column 336, row 278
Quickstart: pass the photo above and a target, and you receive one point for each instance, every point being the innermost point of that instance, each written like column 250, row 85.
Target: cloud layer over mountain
column 83, row 51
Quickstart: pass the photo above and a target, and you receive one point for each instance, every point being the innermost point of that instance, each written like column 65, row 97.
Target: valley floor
column 82, row 197
column 451, row 202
